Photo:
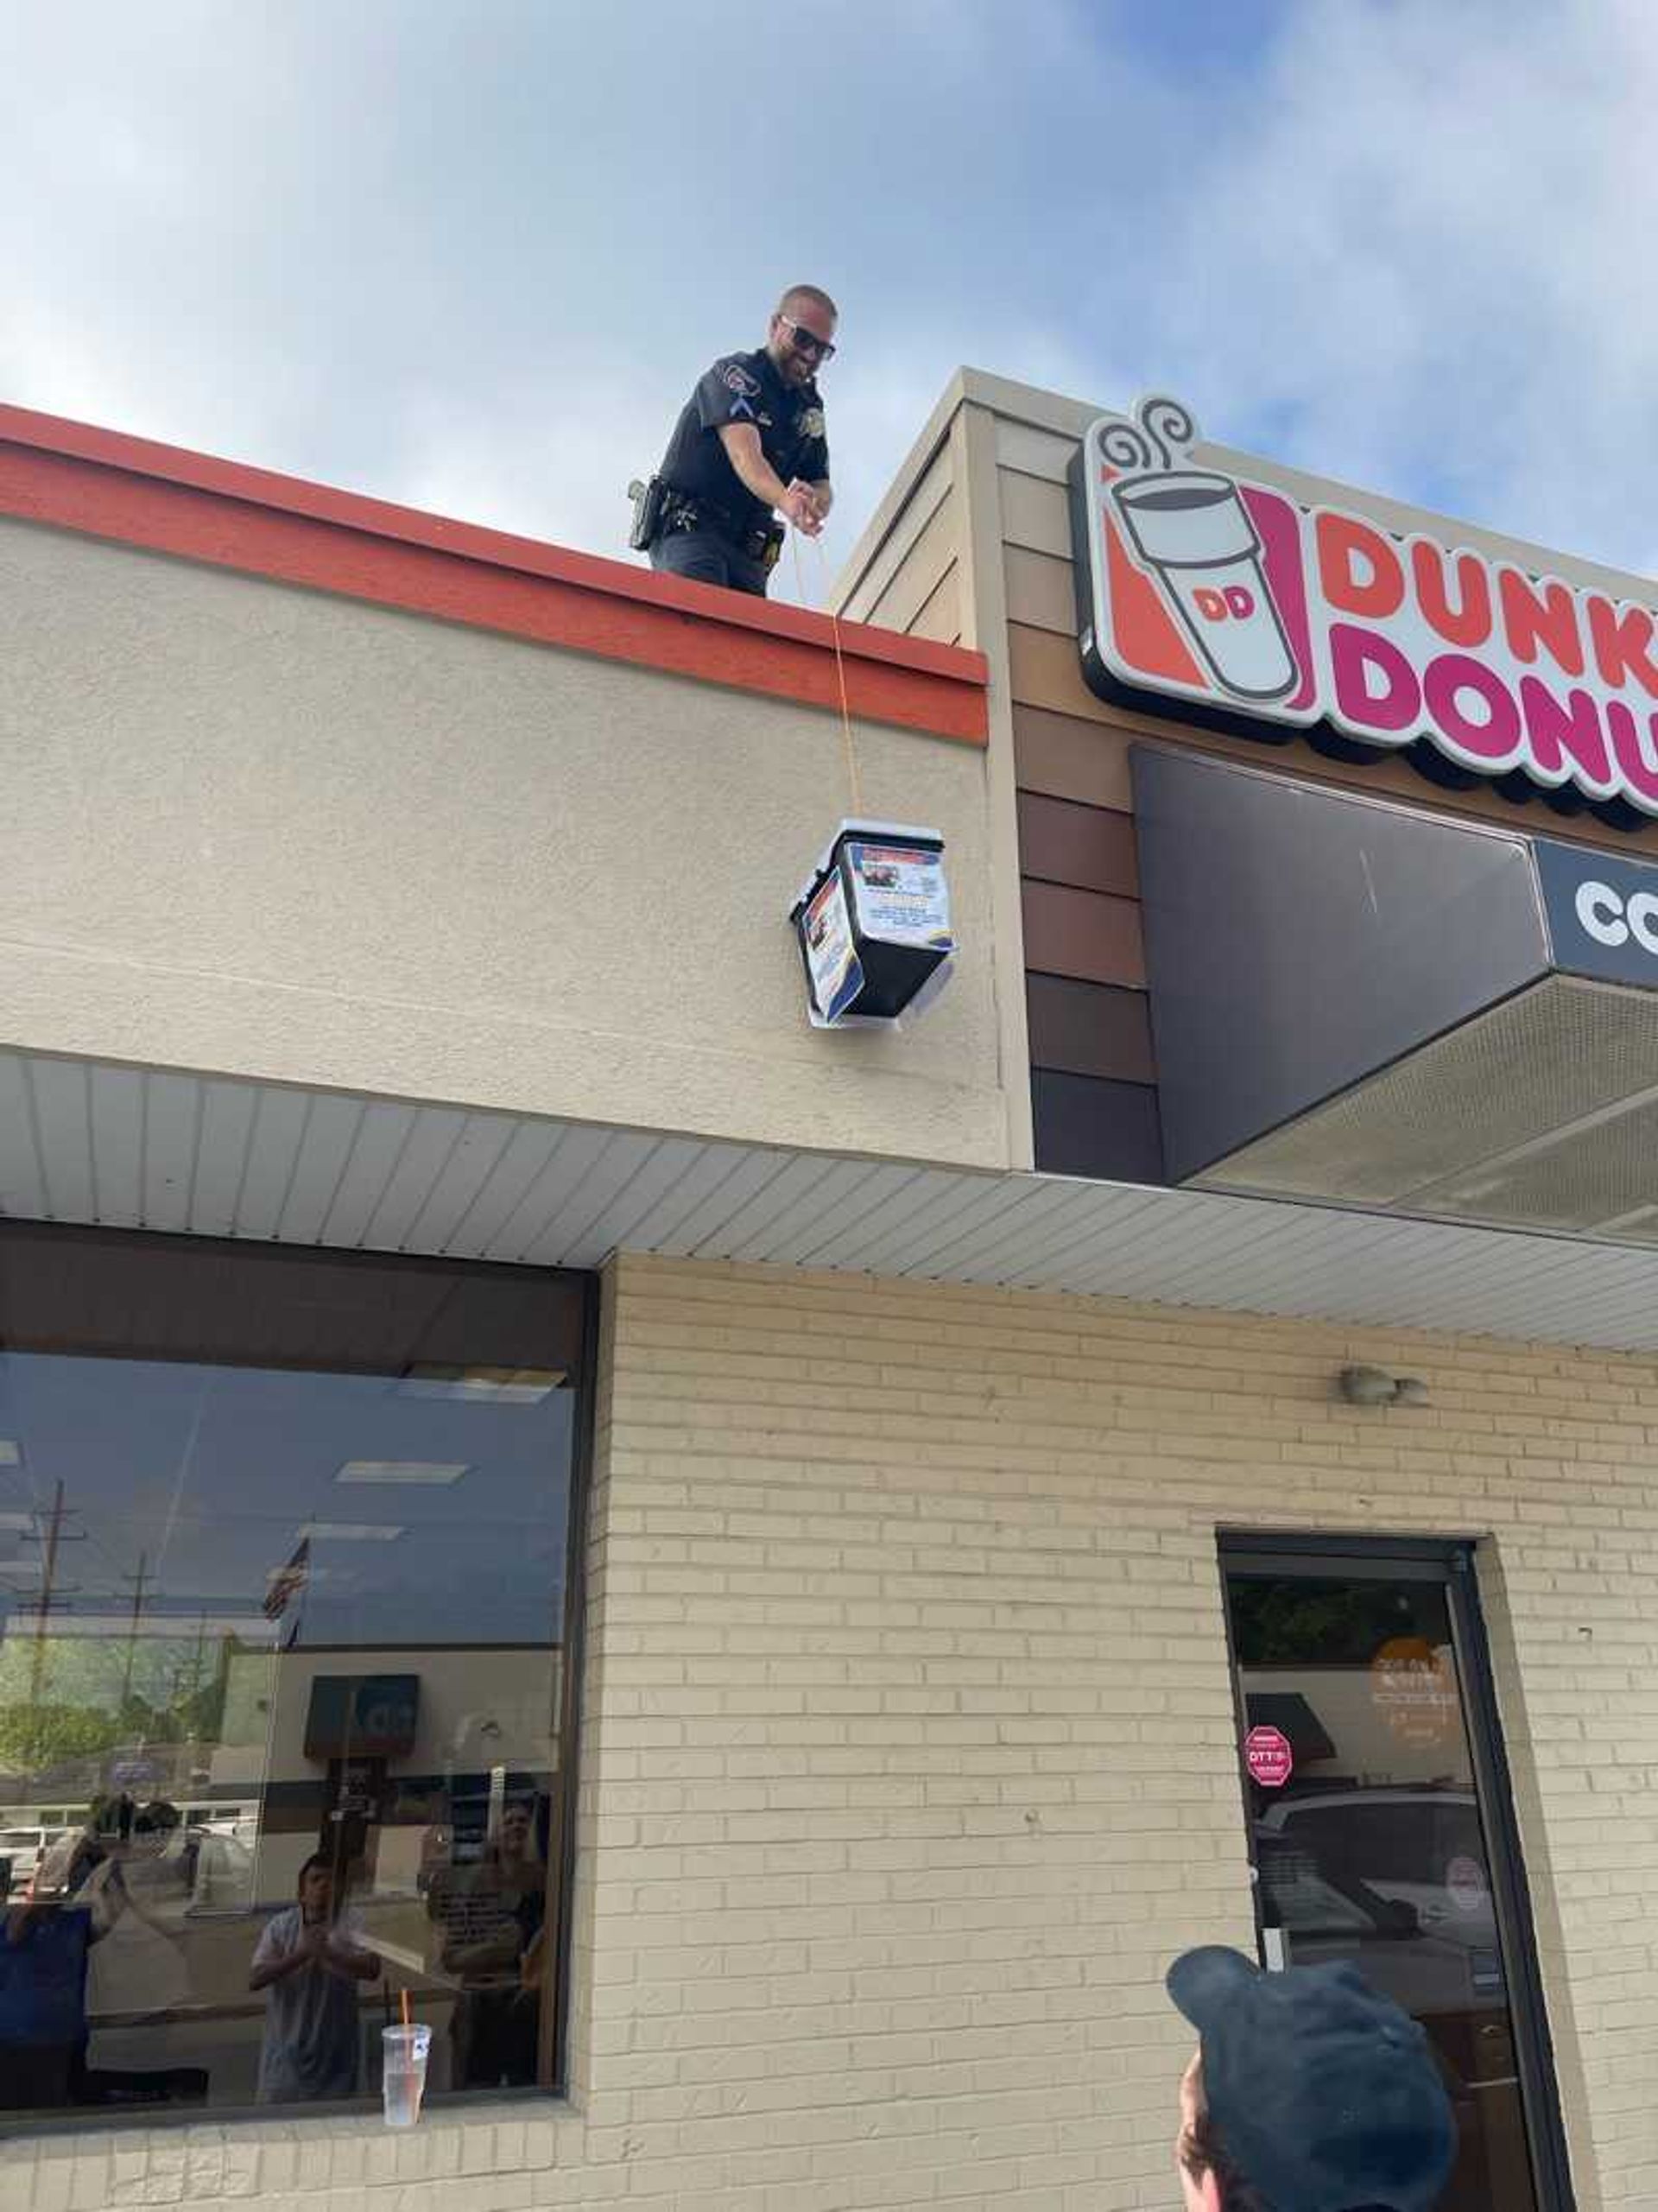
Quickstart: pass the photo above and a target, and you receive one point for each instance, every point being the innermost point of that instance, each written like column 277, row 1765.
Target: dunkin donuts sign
column 1210, row 589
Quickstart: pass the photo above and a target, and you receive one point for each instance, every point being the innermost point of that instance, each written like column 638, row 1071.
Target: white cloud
column 48, row 362
column 1415, row 259
column 547, row 472
column 459, row 258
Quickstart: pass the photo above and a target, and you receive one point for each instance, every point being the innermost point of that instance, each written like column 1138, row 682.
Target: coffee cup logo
column 1203, row 586
column 1188, row 529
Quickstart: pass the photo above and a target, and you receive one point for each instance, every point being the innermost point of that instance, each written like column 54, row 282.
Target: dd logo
column 1234, row 604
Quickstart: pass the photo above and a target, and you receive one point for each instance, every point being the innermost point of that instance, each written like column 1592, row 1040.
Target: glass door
column 1380, row 1831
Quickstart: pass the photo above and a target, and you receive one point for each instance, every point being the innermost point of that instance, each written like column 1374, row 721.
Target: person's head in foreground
column 1309, row 2092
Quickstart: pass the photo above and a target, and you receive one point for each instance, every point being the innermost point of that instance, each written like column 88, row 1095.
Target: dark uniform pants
column 707, row 558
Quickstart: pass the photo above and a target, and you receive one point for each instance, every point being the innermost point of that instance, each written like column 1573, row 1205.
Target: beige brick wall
column 908, row 1761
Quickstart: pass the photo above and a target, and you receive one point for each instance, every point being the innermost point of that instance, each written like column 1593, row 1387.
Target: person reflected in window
column 66, row 1863
column 491, row 1918
column 308, row 1962
column 44, row 1947
column 138, row 1900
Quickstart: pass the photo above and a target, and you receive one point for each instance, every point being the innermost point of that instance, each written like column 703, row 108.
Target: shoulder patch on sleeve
column 736, row 378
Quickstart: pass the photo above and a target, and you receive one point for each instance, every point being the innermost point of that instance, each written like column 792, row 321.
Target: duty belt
column 760, row 540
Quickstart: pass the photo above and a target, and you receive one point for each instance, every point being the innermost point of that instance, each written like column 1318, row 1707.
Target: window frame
column 588, row 1286
column 1453, row 1564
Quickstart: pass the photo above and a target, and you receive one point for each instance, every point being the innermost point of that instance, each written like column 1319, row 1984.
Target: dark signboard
column 362, row 1716
column 1602, row 912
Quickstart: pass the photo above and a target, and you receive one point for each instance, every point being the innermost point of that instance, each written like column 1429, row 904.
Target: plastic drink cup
column 1191, row 531
column 403, row 2077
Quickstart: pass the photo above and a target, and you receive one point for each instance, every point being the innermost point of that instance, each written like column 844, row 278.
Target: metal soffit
column 140, row 1149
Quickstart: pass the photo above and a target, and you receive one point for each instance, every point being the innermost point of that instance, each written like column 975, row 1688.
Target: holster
column 648, row 500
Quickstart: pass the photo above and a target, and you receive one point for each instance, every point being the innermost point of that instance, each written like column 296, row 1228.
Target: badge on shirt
column 812, row 422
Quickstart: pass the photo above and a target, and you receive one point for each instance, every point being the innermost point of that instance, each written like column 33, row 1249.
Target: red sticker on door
column 1268, row 1757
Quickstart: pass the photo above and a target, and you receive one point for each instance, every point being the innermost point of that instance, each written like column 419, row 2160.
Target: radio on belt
column 873, row 923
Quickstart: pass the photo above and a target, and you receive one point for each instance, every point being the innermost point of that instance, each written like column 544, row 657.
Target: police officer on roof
column 749, row 440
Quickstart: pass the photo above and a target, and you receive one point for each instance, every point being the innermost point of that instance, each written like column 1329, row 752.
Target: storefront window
column 286, row 1589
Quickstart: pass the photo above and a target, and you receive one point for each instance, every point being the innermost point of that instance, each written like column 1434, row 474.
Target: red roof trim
column 73, row 476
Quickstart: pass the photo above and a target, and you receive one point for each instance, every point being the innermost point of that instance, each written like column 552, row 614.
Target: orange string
column 853, row 780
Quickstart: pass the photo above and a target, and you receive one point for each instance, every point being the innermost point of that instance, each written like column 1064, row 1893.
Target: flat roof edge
column 101, row 483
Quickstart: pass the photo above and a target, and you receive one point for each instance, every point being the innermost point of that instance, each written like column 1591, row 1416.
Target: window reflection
column 1372, row 1849
column 281, row 1645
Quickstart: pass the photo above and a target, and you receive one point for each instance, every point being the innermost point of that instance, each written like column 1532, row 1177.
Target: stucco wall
column 256, row 830
column 908, row 1747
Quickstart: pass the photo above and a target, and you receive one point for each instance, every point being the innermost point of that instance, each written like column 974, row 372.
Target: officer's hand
column 800, row 507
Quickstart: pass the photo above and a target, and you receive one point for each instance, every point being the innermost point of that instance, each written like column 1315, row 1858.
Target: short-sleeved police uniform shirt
column 745, row 388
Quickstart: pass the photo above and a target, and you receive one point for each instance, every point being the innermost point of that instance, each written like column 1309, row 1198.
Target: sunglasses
column 808, row 341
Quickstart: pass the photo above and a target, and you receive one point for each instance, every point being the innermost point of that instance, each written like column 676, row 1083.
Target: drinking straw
column 403, row 1993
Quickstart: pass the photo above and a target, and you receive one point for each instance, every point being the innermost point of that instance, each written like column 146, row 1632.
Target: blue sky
column 210, row 1475
column 474, row 255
